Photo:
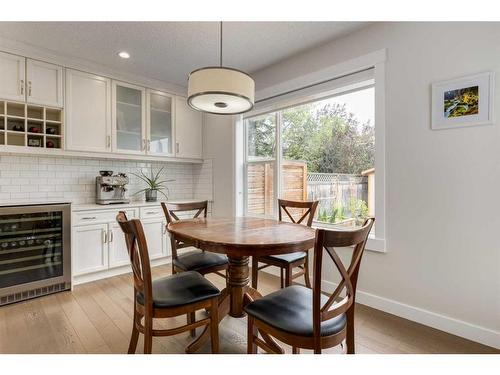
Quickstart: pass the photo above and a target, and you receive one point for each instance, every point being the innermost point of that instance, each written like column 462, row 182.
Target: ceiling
column 168, row 51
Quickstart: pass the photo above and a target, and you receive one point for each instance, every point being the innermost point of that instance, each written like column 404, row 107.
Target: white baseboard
column 444, row 323
column 94, row 276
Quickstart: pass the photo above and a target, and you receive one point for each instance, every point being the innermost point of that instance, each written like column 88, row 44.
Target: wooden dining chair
column 165, row 297
column 195, row 260
column 306, row 318
column 287, row 262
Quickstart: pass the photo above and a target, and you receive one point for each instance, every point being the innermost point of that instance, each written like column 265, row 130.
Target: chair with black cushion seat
column 166, row 297
column 306, row 318
column 287, row 262
column 195, row 260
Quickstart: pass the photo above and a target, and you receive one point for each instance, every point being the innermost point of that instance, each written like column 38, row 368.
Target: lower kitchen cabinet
column 118, row 254
column 156, row 238
column 98, row 243
column 89, row 249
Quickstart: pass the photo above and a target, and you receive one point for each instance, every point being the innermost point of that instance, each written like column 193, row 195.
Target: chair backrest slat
column 308, row 206
column 170, row 210
column 139, row 256
column 327, row 241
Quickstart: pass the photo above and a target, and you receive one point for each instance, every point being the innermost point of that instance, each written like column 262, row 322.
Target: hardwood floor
column 97, row 318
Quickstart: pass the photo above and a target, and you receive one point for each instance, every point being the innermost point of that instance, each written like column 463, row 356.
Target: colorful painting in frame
column 466, row 101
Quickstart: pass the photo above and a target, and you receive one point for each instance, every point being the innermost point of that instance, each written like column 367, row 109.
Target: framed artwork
column 466, row 101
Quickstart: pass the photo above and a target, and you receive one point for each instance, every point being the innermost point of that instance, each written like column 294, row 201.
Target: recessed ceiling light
column 124, row 55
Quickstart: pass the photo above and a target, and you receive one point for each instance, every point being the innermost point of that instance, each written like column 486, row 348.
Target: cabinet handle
column 104, row 236
column 144, row 145
column 29, row 88
column 176, row 147
column 149, row 145
column 111, row 236
column 151, row 212
column 89, row 218
column 22, row 87
column 109, row 141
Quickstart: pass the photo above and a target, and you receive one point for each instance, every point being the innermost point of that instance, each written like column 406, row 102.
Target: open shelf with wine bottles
column 27, row 125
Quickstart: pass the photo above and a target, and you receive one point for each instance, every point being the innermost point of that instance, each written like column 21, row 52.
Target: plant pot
column 151, row 195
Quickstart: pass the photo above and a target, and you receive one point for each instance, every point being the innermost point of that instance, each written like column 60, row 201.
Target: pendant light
column 220, row 90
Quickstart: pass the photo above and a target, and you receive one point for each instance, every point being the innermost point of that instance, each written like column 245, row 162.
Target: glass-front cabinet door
column 160, row 123
column 129, row 125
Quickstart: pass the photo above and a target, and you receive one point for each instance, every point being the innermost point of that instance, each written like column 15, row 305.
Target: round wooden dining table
column 239, row 238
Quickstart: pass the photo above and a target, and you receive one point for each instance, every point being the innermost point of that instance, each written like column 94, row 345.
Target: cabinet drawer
column 151, row 212
column 104, row 216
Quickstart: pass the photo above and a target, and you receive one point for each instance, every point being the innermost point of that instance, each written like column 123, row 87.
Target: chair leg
column 191, row 317
column 135, row 335
column 148, row 335
column 295, row 350
column 214, row 325
column 288, row 276
column 350, row 330
column 282, row 278
column 306, row 272
column 255, row 272
column 251, row 334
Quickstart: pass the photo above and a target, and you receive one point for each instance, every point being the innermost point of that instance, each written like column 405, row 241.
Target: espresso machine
column 111, row 189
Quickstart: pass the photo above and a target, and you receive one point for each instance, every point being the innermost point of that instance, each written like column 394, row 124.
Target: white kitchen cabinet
column 33, row 81
column 88, row 112
column 188, row 130
column 90, row 249
column 128, row 118
column 99, row 243
column 12, row 77
column 160, row 123
column 44, row 83
column 156, row 237
column 118, row 253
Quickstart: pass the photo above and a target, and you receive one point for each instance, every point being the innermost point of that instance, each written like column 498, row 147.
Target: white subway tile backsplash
column 37, row 177
column 10, row 188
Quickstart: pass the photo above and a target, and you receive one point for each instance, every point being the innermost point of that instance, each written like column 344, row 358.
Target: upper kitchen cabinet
column 44, row 83
column 129, row 118
column 29, row 80
column 188, row 130
column 12, row 77
column 160, row 124
column 88, row 112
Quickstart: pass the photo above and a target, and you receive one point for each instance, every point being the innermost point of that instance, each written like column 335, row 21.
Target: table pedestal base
column 232, row 299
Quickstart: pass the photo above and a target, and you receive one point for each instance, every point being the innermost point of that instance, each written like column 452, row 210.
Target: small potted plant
column 154, row 185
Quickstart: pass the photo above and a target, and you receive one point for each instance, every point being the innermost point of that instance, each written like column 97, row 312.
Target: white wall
column 218, row 146
column 442, row 267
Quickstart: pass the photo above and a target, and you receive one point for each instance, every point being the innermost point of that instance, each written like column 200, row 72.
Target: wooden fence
column 331, row 189
column 335, row 189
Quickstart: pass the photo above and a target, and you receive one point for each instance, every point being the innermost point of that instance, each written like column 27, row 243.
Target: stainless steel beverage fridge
column 35, row 251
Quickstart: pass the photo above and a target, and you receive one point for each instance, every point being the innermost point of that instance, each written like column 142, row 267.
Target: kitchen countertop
column 93, row 206
column 34, row 202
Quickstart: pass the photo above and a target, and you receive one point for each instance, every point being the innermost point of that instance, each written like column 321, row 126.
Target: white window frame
column 375, row 60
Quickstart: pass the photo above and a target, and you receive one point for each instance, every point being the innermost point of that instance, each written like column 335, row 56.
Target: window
column 322, row 150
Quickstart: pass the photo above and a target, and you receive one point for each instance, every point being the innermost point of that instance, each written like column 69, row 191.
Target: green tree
column 328, row 138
